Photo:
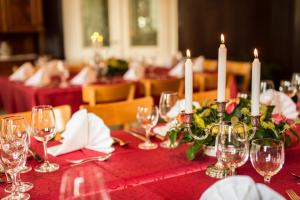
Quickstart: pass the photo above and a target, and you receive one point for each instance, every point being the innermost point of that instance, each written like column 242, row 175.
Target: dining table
column 132, row 173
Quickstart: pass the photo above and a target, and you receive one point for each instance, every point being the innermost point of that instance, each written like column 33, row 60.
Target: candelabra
column 255, row 123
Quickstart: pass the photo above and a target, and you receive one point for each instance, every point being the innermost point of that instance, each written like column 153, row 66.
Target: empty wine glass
column 266, row 85
column 232, row 147
column 287, row 88
column 296, row 85
column 13, row 152
column 168, row 111
column 267, row 157
column 147, row 116
column 83, row 183
column 43, row 129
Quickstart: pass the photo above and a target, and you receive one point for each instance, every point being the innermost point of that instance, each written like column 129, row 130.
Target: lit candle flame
column 188, row 53
column 255, row 53
column 222, row 38
column 96, row 37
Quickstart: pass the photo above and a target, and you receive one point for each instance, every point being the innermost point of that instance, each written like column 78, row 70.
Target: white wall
column 119, row 33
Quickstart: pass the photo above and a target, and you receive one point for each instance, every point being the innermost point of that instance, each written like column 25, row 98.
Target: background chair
column 94, row 94
column 211, row 94
column 240, row 69
column 62, row 116
column 118, row 113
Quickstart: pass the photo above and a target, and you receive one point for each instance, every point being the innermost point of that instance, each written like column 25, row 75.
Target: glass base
column 47, row 167
column 148, row 146
column 21, row 196
column 25, row 169
column 167, row 144
column 23, row 187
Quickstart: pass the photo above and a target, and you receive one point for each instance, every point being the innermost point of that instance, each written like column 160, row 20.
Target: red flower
column 230, row 107
column 278, row 118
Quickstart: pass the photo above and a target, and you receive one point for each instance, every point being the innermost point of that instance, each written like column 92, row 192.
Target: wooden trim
column 3, row 7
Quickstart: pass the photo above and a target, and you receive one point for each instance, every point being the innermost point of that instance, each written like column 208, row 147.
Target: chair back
column 211, row 95
column 206, row 81
column 242, row 69
column 118, row 113
column 94, row 94
column 210, row 65
column 154, row 87
column 62, row 116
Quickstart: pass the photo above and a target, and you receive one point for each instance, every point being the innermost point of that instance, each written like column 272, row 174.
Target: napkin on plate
column 22, row 73
column 283, row 103
column 84, row 130
column 240, row 188
column 198, row 64
column 173, row 113
column 85, row 76
column 135, row 72
column 178, row 70
column 40, row 78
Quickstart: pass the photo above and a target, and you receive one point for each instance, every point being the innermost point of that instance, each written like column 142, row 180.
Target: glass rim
column 254, row 142
column 39, row 107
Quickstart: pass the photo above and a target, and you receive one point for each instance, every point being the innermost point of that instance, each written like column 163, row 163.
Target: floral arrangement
column 271, row 126
column 116, row 67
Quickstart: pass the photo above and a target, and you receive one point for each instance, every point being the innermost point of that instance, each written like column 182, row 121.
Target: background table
column 132, row 173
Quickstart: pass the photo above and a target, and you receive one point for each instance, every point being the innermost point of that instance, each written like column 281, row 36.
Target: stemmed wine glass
column 83, row 183
column 232, row 146
column 43, row 129
column 20, row 125
column 147, row 116
column 13, row 154
column 169, row 112
column 287, row 88
column 267, row 157
column 296, row 85
column 266, row 85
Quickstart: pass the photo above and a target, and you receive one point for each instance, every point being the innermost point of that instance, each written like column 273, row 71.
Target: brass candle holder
column 218, row 170
column 187, row 120
column 255, row 121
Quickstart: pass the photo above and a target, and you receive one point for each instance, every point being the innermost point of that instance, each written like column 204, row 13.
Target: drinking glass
column 266, row 85
column 83, row 183
column 267, row 157
column 43, row 129
column 296, row 84
column 232, row 147
column 147, row 116
column 168, row 112
column 287, row 88
column 13, row 152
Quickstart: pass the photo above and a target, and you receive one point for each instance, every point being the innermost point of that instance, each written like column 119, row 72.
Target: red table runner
column 132, row 173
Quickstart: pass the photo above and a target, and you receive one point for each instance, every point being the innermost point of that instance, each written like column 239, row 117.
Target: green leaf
column 294, row 134
column 193, row 150
column 173, row 136
column 287, row 140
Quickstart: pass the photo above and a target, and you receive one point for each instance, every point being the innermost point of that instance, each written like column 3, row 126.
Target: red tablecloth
column 157, row 174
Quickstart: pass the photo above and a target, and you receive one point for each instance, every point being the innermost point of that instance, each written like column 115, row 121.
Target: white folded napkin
column 85, row 76
column 135, row 72
column 240, row 188
column 283, row 103
column 198, row 64
column 40, row 78
column 84, row 130
column 22, row 73
column 178, row 70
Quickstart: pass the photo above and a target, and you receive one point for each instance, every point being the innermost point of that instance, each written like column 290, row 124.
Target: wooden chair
column 74, row 68
column 118, row 113
column 211, row 94
column 242, row 69
column 94, row 94
column 154, row 87
column 62, row 116
column 210, row 65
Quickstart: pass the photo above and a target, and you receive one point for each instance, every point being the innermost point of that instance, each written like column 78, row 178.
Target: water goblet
column 287, row 88
column 267, row 157
column 168, row 112
column 43, row 129
column 296, row 85
column 232, row 147
column 13, row 154
column 147, row 116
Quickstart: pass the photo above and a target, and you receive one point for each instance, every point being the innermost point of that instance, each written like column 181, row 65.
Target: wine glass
column 267, row 157
column 232, row 147
column 296, row 85
column 147, row 116
column 266, row 85
column 43, row 129
column 83, row 183
column 168, row 111
column 287, row 88
column 20, row 125
column 13, row 153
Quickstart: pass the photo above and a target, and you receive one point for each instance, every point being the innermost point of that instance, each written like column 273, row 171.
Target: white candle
column 188, row 83
column 222, row 57
column 255, row 85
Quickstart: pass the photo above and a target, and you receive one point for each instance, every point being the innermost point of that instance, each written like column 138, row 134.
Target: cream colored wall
column 119, row 33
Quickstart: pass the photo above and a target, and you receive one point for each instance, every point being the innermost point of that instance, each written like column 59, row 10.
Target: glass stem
column 45, row 152
column 148, row 135
column 13, row 177
column 232, row 171
column 267, row 179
